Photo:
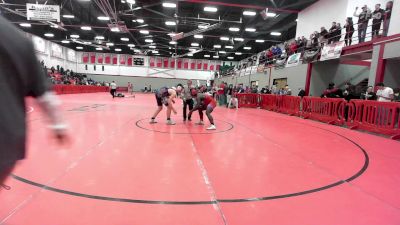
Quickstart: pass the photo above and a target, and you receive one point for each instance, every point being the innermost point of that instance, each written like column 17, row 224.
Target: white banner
column 43, row 12
column 293, row 60
column 56, row 50
column 71, row 55
column 39, row 44
column 332, row 51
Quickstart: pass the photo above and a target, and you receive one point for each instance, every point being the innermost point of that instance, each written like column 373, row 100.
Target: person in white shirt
column 384, row 94
column 113, row 88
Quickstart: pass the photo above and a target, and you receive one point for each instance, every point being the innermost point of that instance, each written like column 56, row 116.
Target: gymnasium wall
column 332, row 71
column 321, row 13
column 140, row 82
column 296, row 78
column 392, row 50
column 392, row 73
column 395, row 26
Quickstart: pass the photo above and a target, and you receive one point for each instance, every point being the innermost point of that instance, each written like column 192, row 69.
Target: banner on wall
column 39, row 44
column 71, row 56
column 138, row 61
column 56, row 50
column 332, row 51
column 43, row 12
column 293, row 60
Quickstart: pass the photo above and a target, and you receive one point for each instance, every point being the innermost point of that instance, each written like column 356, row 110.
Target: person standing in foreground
column 187, row 99
column 166, row 96
column 113, row 88
column 207, row 103
column 21, row 76
column 384, row 94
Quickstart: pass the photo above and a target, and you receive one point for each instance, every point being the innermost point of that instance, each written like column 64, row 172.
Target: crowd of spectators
column 382, row 93
column 58, row 75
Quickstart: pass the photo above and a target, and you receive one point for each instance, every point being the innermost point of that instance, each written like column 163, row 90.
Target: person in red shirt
column 204, row 102
column 221, row 94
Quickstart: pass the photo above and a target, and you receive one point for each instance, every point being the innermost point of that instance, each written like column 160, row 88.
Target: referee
column 20, row 76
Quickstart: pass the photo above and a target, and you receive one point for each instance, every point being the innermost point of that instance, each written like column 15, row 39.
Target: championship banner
column 332, row 51
column 293, row 60
column 43, row 12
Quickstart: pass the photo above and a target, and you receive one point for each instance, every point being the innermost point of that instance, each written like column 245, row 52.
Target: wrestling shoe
column 212, row 127
column 153, row 121
column 170, row 122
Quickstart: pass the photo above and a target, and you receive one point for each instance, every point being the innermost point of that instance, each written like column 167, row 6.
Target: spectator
column 396, row 95
column 377, row 17
column 349, row 31
column 384, row 94
column 303, row 43
column 229, row 94
column 349, row 92
column 323, row 36
column 338, row 32
column 287, row 90
column 332, row 92
column 332, row 33
column 315, row 39
column 221, row 94
column 388, row 15
column 369, row 94
column 363, row 19
column 302, row 93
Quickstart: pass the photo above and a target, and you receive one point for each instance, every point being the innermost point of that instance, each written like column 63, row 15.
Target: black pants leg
column 375, row 29
column 186, row 103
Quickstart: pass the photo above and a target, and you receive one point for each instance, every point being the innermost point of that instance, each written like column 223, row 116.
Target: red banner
column 100, row 58
column 130, row 61
column 85, row 58
column 107, row 59
column 115, row 59
column 93, row 58
column 122, row 59
column 166, row 62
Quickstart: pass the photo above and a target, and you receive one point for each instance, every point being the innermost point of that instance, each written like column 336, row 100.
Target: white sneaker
column 201, row 123
column 153, row 121
column 170, row 122
column 212, row 127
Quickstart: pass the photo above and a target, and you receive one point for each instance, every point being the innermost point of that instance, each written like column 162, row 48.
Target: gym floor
column 258, row 167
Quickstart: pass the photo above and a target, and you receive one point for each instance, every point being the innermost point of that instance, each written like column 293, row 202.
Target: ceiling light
column 69, row 16
column 224, row 38
column 198, row 36
column 140, row 20
column 99, row 38
column 260, row 41
column 155, row 52
column 115, row 29
column 131, row 1
column 87, row 43
column 104, row 18
column 297, row 20
column 238, row 53
column 54, row 26
column 229, row 46
column 207, row 56
column 190, row 54
column 222, row 52
column 136, row 50
column 65, row 41
column 247, row 48
column 131, row 45
column 110, row 44
column 118, row 49
column 202, row 26
column 250, row 29
column 276, row 34
column 195, row 44
column 86, row 28
column 49, row 35
column 123, row 1
column 192, row 49
column 271, row 14
column 210, row 9
column 217, row 46
column 173, row 42
column 215, row 57
column 149, row 40
column 75, row 36
column 170, row 23
column 144, row 31
column 25, row 24
column 124, row 39
column 230, row 57
column 249, row 13
column 169, row 5
column 152, row 46
column 234, row 29
column 79, row 47
column 99, row 49
column 239, row 39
